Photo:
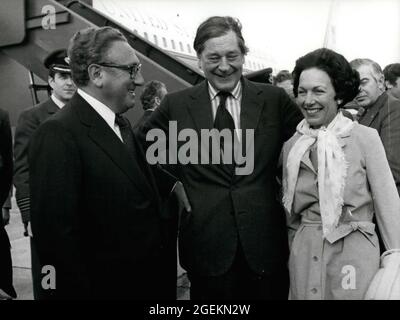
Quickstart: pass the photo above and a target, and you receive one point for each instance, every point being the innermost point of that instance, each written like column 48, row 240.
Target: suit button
column 315, row 258
column 314, row 290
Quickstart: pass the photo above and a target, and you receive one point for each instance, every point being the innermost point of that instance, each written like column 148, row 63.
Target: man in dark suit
column 379, row 110
column 29, row 121
column 94, row 204
column 234, row 242
column 6, row 166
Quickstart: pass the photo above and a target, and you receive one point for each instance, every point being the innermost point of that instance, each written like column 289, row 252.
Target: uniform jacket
column 28, row 122
column 227, row 209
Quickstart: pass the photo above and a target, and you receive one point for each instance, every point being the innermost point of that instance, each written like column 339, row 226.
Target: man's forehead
column 122, row 52
column 227, row 41
column 366, row 71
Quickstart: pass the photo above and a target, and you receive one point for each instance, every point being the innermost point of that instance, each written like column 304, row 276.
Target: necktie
column 126, row 132
column 224, row 120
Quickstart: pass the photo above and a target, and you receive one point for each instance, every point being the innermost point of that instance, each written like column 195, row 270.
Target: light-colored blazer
column 370, row 188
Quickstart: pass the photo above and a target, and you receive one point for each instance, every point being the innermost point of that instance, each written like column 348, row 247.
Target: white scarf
column 332, row 167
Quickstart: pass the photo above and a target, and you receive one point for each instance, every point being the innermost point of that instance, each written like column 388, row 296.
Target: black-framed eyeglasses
column 133, row 69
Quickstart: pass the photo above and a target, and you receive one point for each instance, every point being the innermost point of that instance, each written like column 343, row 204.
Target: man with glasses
column 63, row 88
column 95, row 206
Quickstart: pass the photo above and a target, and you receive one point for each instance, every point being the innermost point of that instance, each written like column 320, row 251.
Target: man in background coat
column 63, row 89
column 379, row 110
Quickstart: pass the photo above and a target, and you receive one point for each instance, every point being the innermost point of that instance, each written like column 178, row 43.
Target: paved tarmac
column 21, row 257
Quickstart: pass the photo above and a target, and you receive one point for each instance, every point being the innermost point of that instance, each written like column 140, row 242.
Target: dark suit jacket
column 143, row 119
column 227, row 210
column 95, row 210
column 384, row 116
column 6, row 168
column 28, row 122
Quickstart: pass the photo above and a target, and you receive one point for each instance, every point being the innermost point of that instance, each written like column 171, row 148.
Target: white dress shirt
column 105, row 112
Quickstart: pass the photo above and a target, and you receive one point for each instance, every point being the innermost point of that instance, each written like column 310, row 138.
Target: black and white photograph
column 199, row 157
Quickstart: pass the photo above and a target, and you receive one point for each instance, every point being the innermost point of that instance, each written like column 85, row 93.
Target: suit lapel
column 200, row 107
column 51, row 107
column 251, row 109
column 104, row 137
column 372, row 113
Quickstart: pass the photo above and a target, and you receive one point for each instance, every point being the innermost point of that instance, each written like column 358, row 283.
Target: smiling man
column 96, row 212
column 382, row 111
column 233, row 243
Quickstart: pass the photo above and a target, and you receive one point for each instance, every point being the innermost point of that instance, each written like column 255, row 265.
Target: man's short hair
column 376, row 68
column 392, row 72
column 151, row 90
column 89, row 46
column 282, row 75
column 215, row 27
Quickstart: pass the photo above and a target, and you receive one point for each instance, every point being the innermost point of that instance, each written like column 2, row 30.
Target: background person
column 380, row 111
column 63, row 88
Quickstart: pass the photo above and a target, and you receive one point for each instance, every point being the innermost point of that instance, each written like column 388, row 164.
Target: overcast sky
column 287, row 29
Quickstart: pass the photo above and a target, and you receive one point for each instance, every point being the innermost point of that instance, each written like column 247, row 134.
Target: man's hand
column 6, row 216
column 180, row 193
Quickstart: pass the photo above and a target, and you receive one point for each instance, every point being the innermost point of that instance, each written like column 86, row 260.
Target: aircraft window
column 133, row 15
column 181, row 46
column 155, row 39
column 173, row 44
column 146, row 35
column 164, row 42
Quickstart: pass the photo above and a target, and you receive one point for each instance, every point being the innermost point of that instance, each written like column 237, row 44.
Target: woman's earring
column 339, row 101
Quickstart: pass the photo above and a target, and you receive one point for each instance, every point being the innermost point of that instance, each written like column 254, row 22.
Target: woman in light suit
column 336, row 179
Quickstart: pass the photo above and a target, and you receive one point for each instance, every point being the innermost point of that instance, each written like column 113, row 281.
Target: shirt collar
column 105, row 112
column 236, row 92
column 57, row 101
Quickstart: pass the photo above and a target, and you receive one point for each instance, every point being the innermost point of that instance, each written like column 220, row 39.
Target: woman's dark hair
column 215, row 27
column 345, row 80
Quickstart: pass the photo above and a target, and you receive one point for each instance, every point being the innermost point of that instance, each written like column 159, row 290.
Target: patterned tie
column 224, row 120
column 126, row 132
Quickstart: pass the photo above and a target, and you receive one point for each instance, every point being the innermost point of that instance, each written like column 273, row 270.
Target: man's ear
column 157, row 101
column 50, row 81
column 96, row 75
column 381, row 83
